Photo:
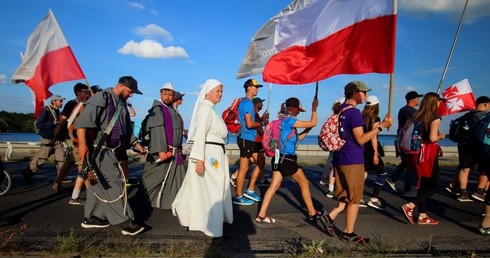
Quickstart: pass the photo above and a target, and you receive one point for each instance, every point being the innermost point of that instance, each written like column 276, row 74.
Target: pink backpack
column 329, row 138
column 272, row 137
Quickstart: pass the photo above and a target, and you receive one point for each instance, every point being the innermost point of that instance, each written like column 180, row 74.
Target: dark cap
column 95, row 89
column 131, row 83
column 355, row 86
column 178, row 96
column 258, row 100
column 412, row 95
column 251, row 82
column 482, row 100
column 294, row 102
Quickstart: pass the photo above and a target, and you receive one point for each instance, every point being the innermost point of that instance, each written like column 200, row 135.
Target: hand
column 139, row 149
column 162, row 156
column 387, row 122
column 265, row 118
column 375, row 159
column 200, row 167
column 314, row 105
column 442, row 136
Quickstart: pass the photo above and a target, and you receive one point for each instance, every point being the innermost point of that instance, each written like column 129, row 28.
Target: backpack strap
column 169, row 126
column 339, row 126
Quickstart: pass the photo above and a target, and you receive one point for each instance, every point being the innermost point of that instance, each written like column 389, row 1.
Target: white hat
column 167, row 86
column 372, row 100
column 341, row 100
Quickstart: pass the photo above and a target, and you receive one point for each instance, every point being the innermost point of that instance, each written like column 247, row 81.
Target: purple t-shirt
column 352, row 152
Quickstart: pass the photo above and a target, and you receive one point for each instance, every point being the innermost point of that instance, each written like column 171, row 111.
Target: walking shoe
column 479, row 196
column 322, row 182
column 233, row 181
column 391, row 184
column 329, row 194
column 411, row 194
column 362, row 203
column 484, row 231
column 427, row 221
column 252, row 195
column 242, row 201
column 56, row 188
column 376, row 203
column 131, row 182
column 408, row 213
column 94, row 222
column 353, row 238
column 450, row 189
column 264, row 182
column 316, row 216
column 464, row 197
column 77, row 201
column 131, row 229
column 66, row 180
column 265, row 219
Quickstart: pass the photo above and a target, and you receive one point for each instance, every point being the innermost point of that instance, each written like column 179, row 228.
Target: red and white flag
column 330, row 37
column 48, row 60
column 459, row 98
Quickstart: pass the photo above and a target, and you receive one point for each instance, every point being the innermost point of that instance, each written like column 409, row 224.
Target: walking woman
column 203, row 202
column 427, row 122
column 287, row 165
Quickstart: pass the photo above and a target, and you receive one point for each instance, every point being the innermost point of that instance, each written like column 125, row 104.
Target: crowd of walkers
column 94, row 132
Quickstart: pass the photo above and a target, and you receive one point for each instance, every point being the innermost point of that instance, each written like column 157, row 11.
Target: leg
column 260, row 162
column 275, row 184
column 300, row 178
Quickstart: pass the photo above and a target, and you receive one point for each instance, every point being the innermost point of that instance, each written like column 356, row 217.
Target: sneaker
column 316, row 216
column 353, row 238
column 252, row 195
column 450, row 189
column 233, row 181
column 464, row 197
column 408, row 213
column 265, row 219
column 66, row 180
column 362, row 203
column 329, row 194
column 427, row 221
column 484, row 231
column 411, row 194
column 479, row 196
column 77, row 201
column 323, row 182
column 375, row 203
column 131, row 182
column 264, row 182
column 56, row 188
column 242, row 201
column 391, row 184
column 94, row 222
column 131, row 229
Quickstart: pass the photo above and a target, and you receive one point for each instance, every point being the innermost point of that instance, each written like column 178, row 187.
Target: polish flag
column 459, row 98
column 330, row 37
column 48, row 60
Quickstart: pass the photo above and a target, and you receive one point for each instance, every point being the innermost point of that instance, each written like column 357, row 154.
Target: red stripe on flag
column 365, row 47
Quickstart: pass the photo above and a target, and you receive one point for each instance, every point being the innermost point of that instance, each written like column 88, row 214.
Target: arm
column 362, row 137
column 434, row 134
column 203, row 124
column 250, row 123
column 374, row 143
column 308, row 124
column 82, row 143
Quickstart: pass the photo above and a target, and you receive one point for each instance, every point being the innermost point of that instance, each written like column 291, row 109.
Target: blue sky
column 199, row 40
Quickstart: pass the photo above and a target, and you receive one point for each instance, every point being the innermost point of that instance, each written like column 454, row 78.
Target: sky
column 187, row 42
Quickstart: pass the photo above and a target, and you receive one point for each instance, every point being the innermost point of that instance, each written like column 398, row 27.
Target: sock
column 330, row 187
column 75, row 194
column 480, row 190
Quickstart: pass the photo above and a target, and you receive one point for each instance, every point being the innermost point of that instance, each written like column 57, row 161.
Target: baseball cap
column 95, row 88
column 294, row 102
column 178, row 95
column 131, row 83
column 251, row 82
column 341, row 100
column 257, row 100
column 412, row 95
column 355, row 86
column 167, row 86
column 57, row 97
column 372, row 100
column 482, row 99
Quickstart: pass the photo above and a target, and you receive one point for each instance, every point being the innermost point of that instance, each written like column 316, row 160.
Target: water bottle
column 416, row 141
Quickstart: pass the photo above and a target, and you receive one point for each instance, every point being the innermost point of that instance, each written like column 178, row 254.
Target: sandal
column 327, row 223
column 408, row 213
column 265, row 219
column 354, row 238
column 484, row 231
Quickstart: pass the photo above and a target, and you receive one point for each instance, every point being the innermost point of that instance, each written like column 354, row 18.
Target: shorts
column 349, row 183
column 71, row 154
column 466, row 157
column 288, row 165
column 247, row 148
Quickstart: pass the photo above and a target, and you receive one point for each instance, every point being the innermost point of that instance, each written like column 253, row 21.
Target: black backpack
column 459, row 128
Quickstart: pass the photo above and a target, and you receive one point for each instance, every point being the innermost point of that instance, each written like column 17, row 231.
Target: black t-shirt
column 404, row 114
column 67, row 109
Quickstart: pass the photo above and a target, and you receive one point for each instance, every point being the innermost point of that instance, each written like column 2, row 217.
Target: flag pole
column 269, row 98
column 316, row 91
column 390, row 97
column 452, row 48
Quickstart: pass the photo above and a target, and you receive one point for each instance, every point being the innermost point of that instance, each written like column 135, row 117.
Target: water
column 385, row 140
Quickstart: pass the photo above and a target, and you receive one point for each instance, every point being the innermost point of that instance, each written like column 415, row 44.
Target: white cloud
column 152, row 49
column 3, row 79
column 136, row 5
column 152, row 31
column 450, row 8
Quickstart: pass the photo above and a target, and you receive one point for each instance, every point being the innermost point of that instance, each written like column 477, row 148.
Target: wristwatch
column 380, row 129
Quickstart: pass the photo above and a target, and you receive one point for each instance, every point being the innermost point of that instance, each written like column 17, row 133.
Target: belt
column 219, row 144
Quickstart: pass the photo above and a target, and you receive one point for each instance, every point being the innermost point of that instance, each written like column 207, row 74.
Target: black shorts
column 288, row 165
column 247, row 148
column 467, row 157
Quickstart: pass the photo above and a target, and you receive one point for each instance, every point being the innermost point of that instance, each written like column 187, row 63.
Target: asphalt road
column 41, row 218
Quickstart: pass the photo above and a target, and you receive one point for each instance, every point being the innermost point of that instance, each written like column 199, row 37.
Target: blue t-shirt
column 246, row 106
column 352, row 152
column 288, row 147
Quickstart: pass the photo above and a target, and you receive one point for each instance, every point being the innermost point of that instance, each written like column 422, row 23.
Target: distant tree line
column 13, row 122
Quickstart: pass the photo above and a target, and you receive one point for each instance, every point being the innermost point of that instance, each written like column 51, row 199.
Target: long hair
column 425, row 114
column 370, row 113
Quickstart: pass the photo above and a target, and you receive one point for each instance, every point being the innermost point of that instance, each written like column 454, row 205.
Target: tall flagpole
column 452, row 48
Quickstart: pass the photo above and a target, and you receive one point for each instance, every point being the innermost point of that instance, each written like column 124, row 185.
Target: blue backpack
column 480, row 135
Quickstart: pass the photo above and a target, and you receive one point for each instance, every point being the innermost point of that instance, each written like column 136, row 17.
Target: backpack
column 46, row 109
column 480, row 135
column 329, row 138
column 230, row 116
column 271, row 140
column 459, row 128
column 409, row 140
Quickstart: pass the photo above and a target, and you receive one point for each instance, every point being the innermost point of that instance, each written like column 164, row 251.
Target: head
column 252, row 87
column 356, row 91
column 94, row 89
column 126, row 87
column 428, row 107
column 81, row 91
column 483, row 103
column 213, row 90
column 178, row 99
column 258, row 103
column 293, row 106
column 371, row 110
column 57, row 101
column 167, row 93
column 336, row 105
column 412, row 98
